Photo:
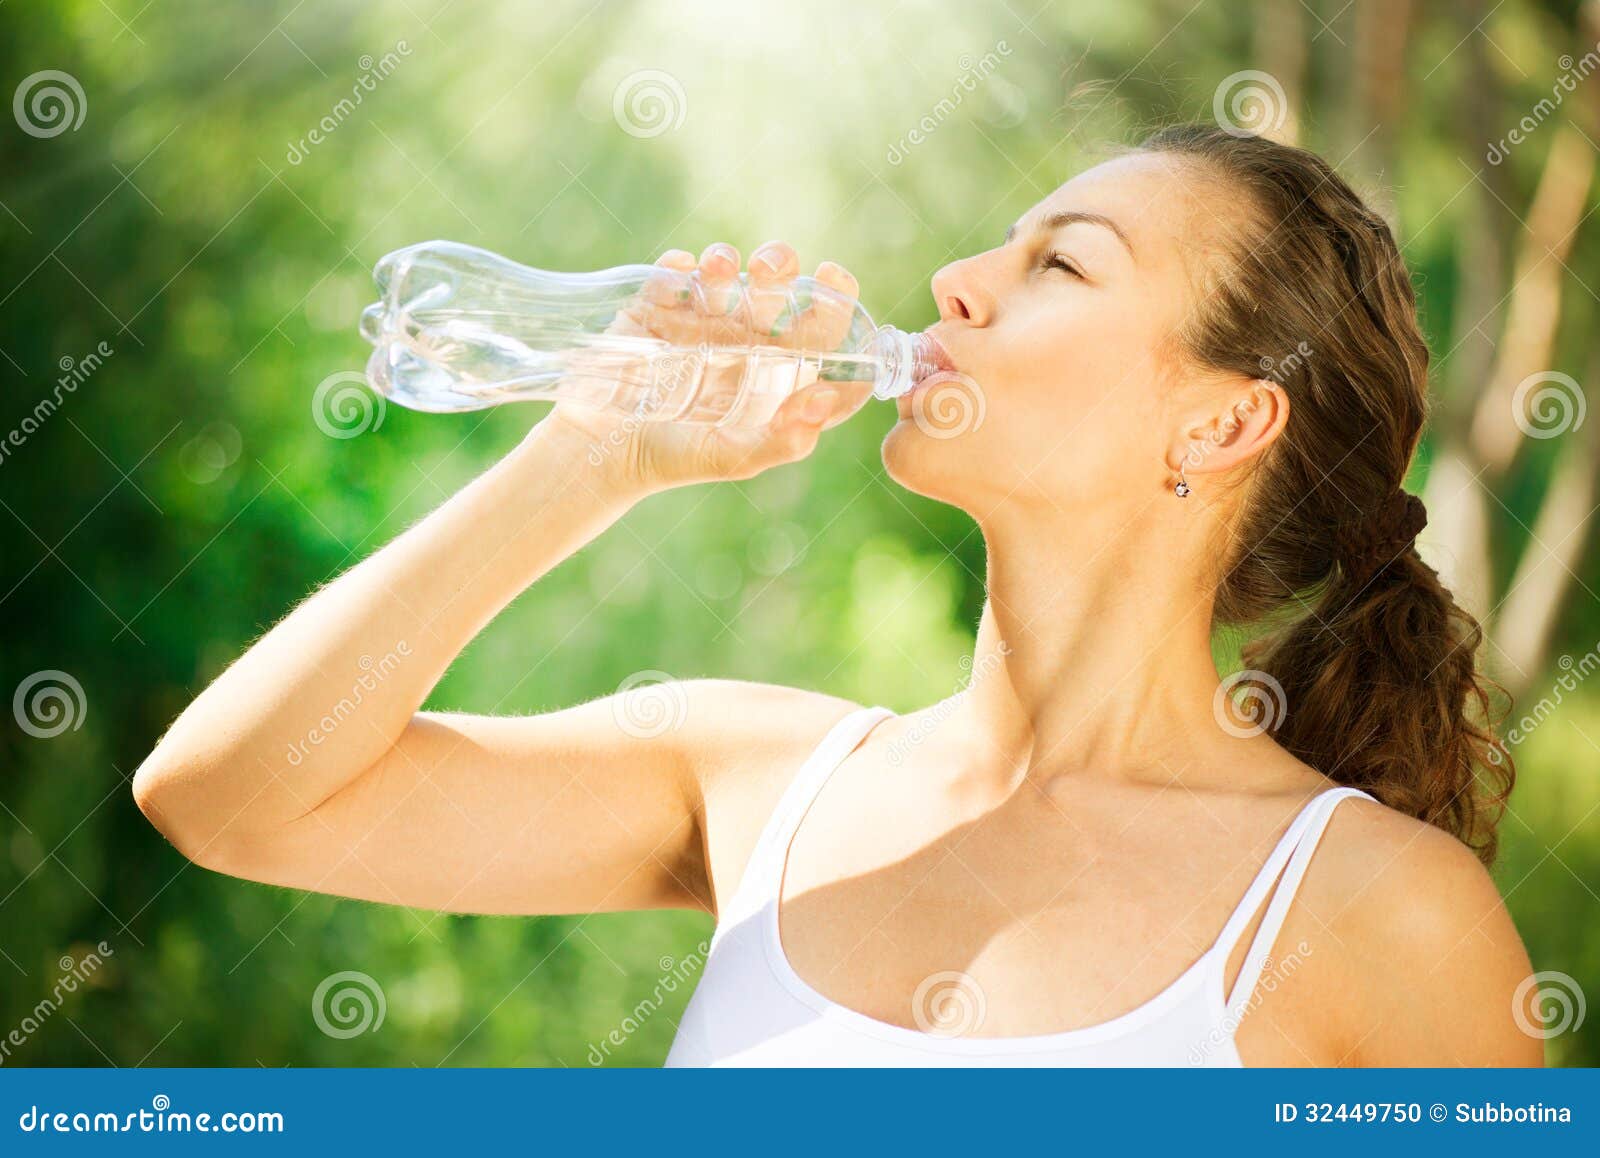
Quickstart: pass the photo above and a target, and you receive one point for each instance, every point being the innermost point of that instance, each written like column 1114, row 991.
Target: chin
column 984, row 471
column 923, row 464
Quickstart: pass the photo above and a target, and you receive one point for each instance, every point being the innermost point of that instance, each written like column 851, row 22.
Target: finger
column 808, row 408
column 826, row 322
column 794, row 429
column 719, row 261
column 836, row 276
column 774, row 304
column 775, row 261
column 670, row 289
column 826, row 403
column 739, row 452
column 852, row 396
column 717, row 276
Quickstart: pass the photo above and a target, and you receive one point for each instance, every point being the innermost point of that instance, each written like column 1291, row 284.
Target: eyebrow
column 1074, row 217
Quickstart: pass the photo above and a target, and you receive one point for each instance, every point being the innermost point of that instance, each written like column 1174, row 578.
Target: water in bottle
column 460, row 328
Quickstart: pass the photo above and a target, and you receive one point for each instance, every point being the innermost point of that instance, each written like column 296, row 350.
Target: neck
column 1089, row 660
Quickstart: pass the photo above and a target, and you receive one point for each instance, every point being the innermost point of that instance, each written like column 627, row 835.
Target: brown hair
column 1380, row 685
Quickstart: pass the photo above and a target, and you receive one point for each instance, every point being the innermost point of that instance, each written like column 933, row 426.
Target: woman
column 1203, row 383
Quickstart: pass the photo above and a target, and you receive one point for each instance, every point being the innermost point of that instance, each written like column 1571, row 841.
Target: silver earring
column 1182, row 489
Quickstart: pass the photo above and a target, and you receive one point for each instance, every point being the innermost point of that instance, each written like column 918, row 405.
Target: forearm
column 324, row 694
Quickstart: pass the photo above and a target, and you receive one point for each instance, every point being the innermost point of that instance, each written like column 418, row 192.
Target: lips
column 932, row 357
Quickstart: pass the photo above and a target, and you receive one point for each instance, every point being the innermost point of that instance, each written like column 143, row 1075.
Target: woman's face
column 1064, row 339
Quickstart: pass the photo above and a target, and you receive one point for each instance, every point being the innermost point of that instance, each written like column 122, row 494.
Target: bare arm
column 307, row 755
column 1425, row 966
column 1447, row 978
column 307, row 763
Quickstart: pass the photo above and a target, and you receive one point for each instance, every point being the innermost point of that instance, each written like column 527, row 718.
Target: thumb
column 789, row 436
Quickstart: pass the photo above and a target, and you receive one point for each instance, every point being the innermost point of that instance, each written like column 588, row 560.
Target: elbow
column 160, row 794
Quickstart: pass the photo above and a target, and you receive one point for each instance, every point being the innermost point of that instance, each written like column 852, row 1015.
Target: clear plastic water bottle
column 460, row 328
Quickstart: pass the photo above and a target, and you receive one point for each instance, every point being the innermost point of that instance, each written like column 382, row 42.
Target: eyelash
column 1057, row 261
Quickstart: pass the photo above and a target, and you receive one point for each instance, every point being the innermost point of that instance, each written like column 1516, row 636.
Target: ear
column 1242, row 419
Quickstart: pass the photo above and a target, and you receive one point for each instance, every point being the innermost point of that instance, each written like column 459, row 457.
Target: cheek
column 1063, row 361
column 1078, row 397
column 1068, row 405
column 1003, row 447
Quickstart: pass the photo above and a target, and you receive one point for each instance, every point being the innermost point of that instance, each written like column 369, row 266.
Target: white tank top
column 752, row 1009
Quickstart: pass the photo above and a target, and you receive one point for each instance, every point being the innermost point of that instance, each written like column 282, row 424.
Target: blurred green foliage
column 183, row 496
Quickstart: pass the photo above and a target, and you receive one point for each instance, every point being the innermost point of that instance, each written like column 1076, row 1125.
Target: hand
column 664, row 454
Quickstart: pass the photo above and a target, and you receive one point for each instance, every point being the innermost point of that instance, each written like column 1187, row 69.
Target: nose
column 960, row 293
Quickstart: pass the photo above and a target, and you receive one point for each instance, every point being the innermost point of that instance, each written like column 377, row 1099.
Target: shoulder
column 734, row 727
column 744, row 742
column 1429, row 954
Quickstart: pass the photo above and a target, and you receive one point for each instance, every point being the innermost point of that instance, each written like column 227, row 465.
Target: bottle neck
column 899, row 360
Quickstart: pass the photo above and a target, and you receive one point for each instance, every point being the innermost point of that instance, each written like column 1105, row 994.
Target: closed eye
column 1064, row 263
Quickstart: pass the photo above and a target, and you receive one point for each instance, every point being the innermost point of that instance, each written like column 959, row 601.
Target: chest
column 1046, row 912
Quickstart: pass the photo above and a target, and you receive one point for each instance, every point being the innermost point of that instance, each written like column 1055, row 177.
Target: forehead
column 1154, row 199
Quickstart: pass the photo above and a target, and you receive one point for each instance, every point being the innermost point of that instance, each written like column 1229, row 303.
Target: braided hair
column 1379, row 674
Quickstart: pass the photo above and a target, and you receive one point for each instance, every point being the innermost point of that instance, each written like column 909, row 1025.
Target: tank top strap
column 763, row 875
column 1280, row 877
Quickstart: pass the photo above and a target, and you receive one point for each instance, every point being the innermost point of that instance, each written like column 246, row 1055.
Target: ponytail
column 1380, row 683
column 1382, row 693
